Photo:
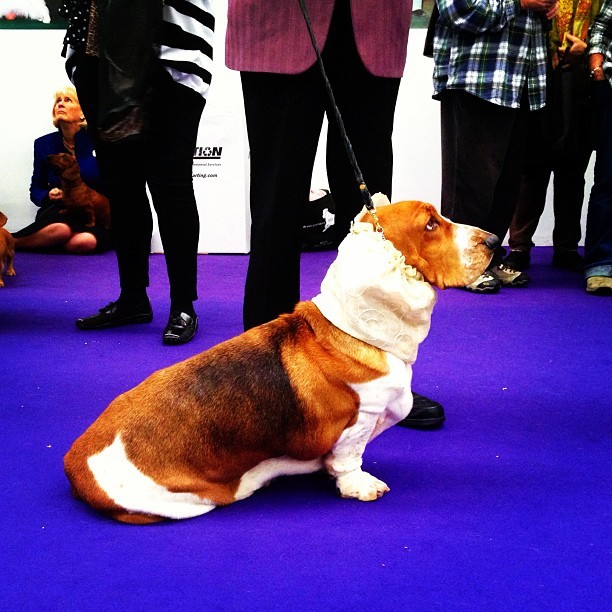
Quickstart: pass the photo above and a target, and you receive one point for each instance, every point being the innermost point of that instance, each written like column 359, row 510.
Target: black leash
column 365, row 194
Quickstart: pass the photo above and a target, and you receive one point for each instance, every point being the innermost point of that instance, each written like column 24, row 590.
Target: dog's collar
column 371, row 293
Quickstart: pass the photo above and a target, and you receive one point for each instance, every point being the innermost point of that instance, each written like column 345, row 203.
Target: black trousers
column 483, row 147
column 284, row 116
column 163, row 160
column 565, row 159
column 568, row 195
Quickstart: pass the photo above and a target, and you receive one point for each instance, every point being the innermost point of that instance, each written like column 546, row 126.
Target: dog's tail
column 85, row 487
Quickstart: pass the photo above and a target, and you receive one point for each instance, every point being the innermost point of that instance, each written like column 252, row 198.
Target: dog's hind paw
column 360, row 485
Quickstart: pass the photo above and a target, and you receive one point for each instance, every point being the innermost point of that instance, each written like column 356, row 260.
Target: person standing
column 560, row 143
column 363, row 45
column 143, row 69
column 489, row 72
column 598, row 237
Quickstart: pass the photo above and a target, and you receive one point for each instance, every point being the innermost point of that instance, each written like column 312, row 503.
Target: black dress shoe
column 181, row 328
column 115, row 314
column 425, row 414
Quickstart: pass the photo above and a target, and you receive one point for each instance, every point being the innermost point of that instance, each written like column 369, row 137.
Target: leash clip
column 369, row 204
column 377, row 226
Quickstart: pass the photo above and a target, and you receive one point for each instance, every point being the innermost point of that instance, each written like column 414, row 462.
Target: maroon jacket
column 271, row 35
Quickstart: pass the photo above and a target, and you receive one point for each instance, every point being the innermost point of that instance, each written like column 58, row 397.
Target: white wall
column 32, row 69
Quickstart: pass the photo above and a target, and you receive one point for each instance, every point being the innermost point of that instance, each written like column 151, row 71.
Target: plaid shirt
column 601, row 37
column 491, row 49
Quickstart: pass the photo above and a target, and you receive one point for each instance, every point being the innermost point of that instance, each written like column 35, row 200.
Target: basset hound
column 303, row 393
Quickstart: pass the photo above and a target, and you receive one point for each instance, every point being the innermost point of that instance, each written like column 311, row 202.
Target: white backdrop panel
column 32, row 69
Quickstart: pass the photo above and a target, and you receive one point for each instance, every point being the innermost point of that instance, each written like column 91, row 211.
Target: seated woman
column 53, row 229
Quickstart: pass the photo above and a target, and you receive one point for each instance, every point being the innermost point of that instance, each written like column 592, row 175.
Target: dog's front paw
column 361, row 485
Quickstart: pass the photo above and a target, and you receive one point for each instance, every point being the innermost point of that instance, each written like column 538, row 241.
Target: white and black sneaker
column 485, row 283
column 509, row 277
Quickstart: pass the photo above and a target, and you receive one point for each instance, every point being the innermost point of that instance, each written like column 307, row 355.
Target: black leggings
column 163, row 160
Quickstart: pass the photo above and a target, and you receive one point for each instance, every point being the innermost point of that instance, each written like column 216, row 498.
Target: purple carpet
column 507, row 507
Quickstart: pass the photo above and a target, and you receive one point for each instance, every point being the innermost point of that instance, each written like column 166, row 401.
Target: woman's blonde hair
column 70, row 92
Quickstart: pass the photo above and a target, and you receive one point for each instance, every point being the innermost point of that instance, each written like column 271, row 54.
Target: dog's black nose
column 492, row 242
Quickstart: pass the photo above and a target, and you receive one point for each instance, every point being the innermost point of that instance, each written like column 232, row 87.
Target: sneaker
column 518, row 260
column 599, row 285
column 509, row 277
column 568, row 260
column 485, row 283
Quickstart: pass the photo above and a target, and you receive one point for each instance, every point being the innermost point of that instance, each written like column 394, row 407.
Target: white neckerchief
column 370, row 293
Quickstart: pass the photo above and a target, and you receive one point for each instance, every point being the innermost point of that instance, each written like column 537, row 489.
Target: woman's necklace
column 69, row 148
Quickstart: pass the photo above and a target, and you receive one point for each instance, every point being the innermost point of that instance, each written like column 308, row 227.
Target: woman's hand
column 572, row 51
column 56, row 194
column 549, row 7
column 577, row 45
column 551, row 13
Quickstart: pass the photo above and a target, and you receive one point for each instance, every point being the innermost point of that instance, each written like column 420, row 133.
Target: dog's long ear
column 71, row 172
column 416, row 261
column 54, row 162
column 3, row 219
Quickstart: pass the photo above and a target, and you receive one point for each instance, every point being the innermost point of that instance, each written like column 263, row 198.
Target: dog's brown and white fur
column 79, row 199
column 292, row 396
column 7, row 250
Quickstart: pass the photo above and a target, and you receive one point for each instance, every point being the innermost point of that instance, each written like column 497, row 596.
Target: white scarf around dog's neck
column 370, row 293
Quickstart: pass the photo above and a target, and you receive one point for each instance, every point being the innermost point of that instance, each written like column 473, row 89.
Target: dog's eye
column 431, row 225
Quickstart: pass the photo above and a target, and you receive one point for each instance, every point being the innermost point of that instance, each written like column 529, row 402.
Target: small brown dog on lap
column 81, row 201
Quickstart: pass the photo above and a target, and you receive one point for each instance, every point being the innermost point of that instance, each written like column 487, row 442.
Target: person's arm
column 478, row 16
column 40, row 189
column 600, row 40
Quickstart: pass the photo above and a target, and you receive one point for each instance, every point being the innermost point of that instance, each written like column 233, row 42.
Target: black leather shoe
column 115, row 314
column 425, row 414
column 181, row 328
